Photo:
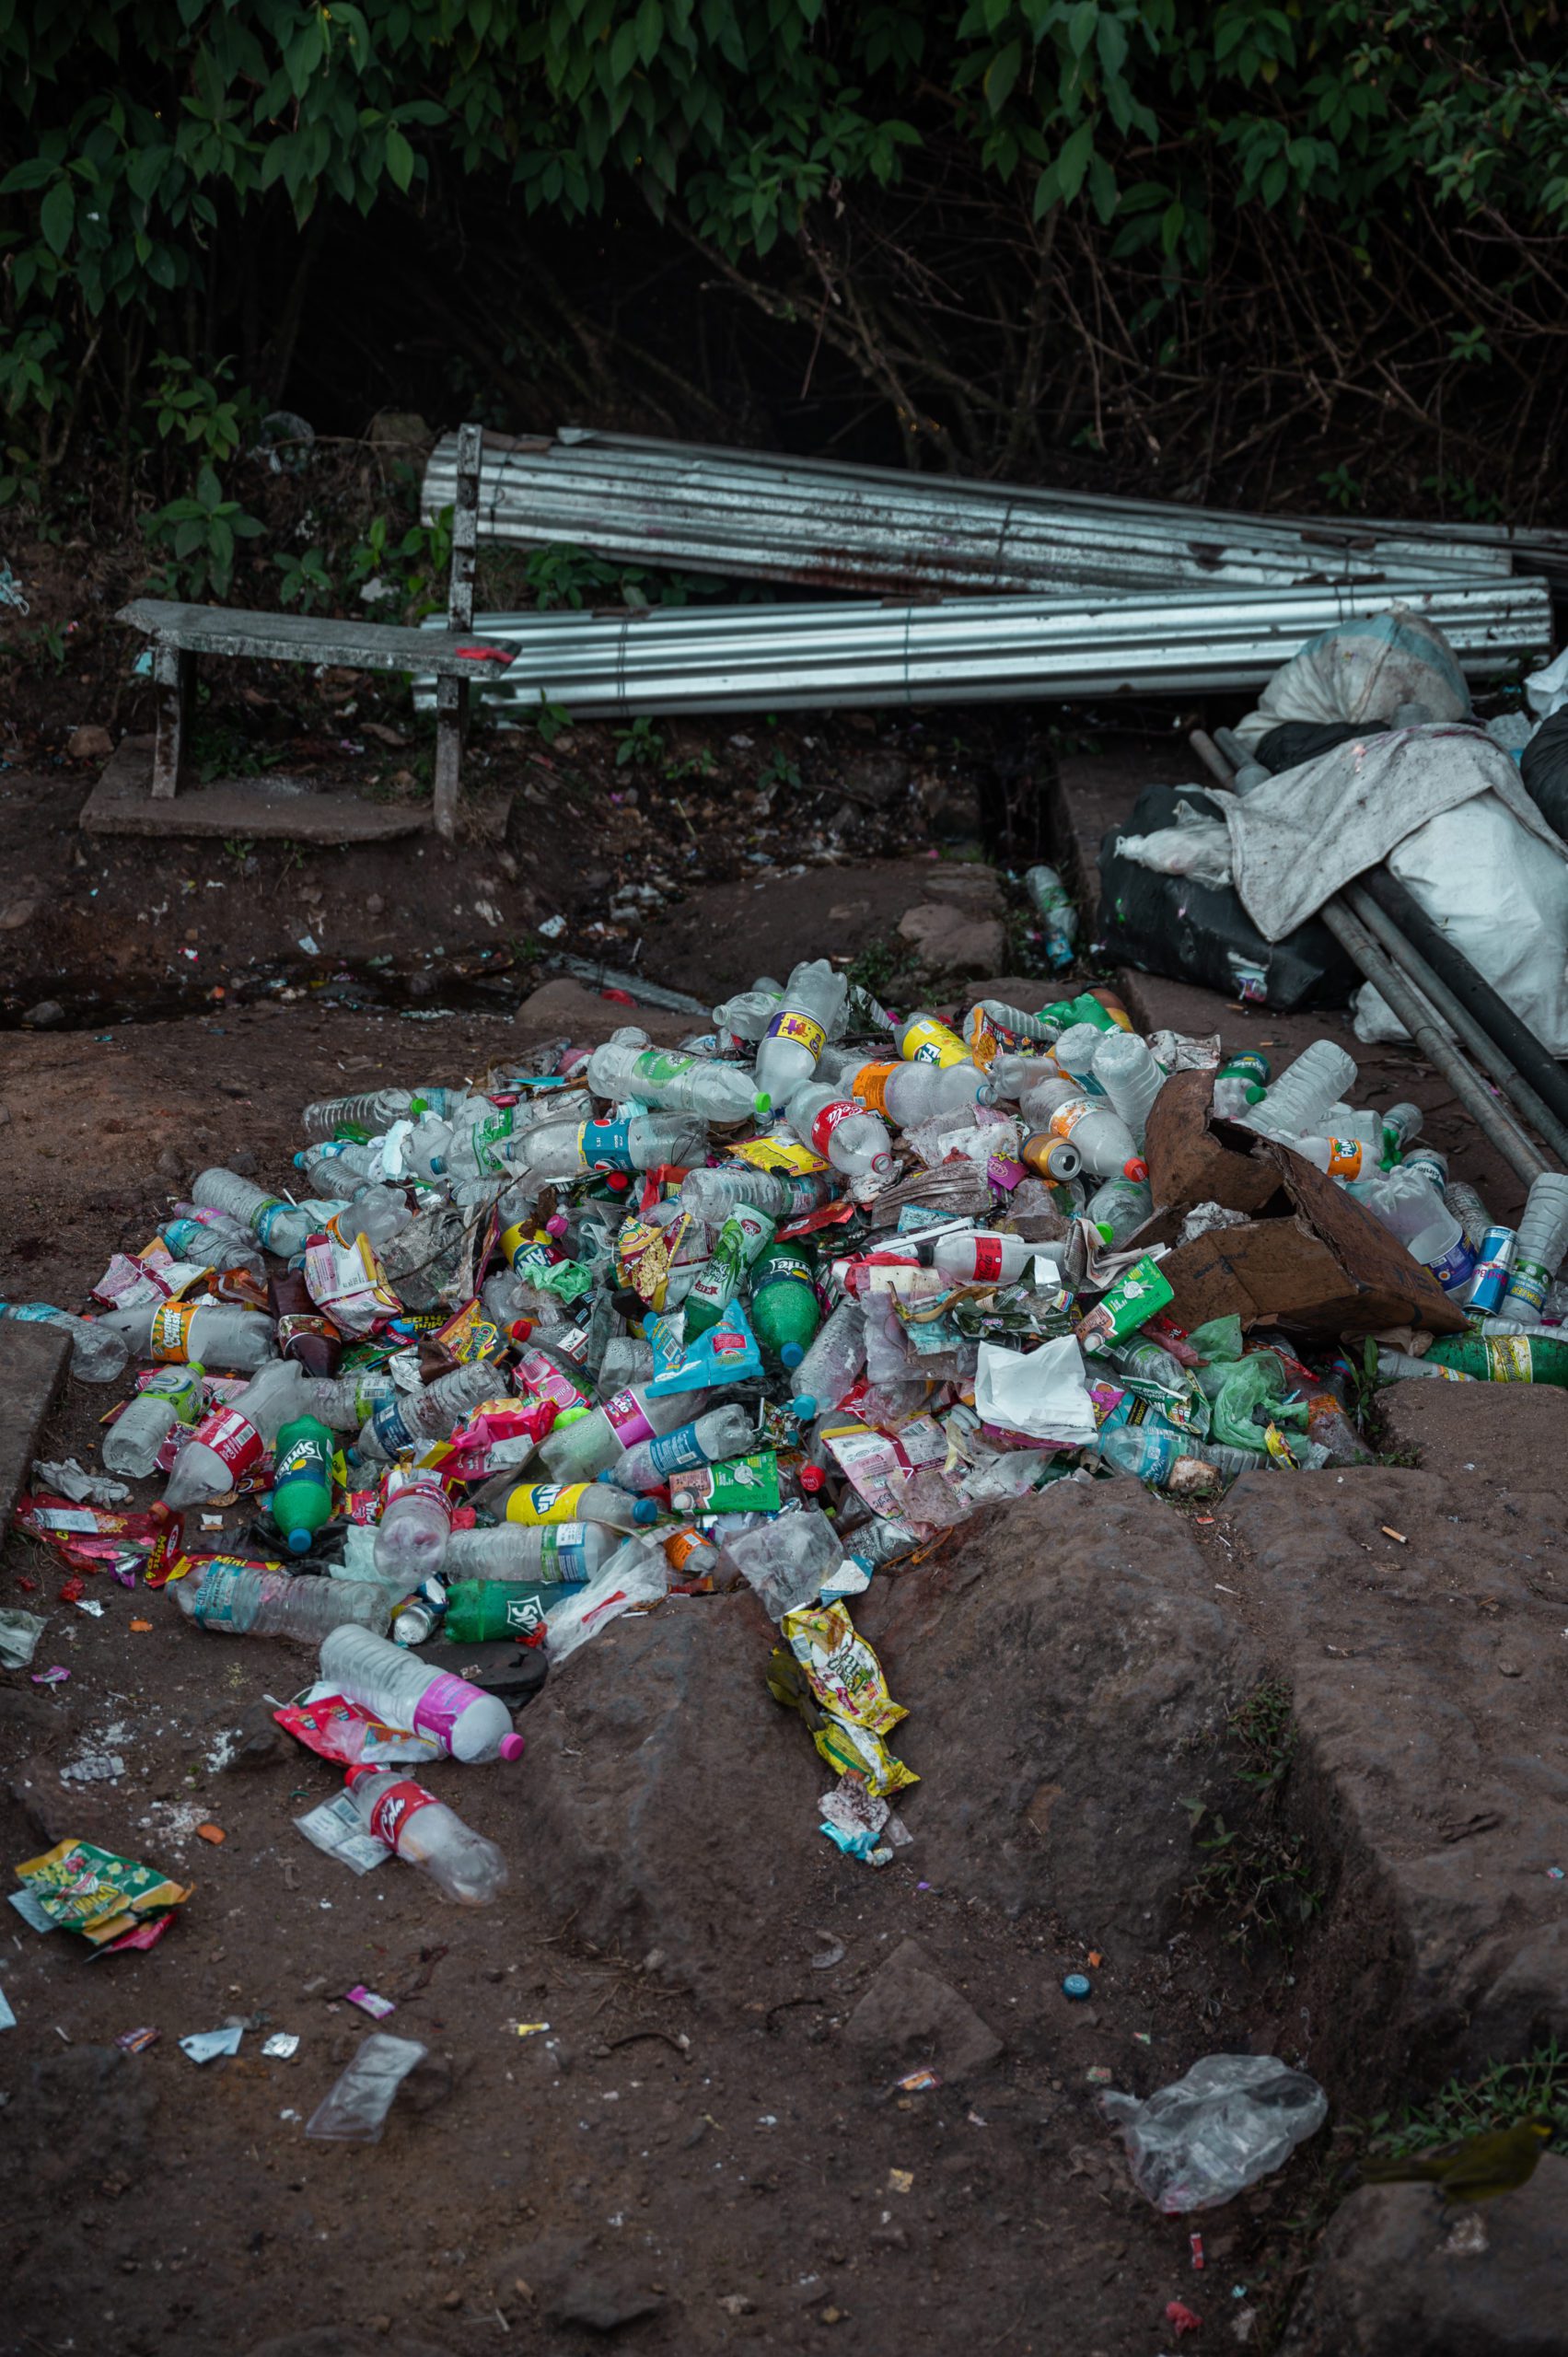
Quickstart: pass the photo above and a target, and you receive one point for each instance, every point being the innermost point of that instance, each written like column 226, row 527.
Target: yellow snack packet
column 856, row 1751
column 840, row 1667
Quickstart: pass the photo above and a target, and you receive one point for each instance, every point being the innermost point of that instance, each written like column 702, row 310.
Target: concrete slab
column 1093, row 792
column 32, row 1364
column 271, row 807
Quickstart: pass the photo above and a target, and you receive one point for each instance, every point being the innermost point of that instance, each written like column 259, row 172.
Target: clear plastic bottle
column 407, row 1692
column 282, row 1603
column 1076, row 1053
column 1130, row 1078
column 133, row 1440
column 576, row 1452
column 1048, row 1089
column 344, row 1402
column 566, row 1551
column 712, row 1194
column 415, row 1524
column 1431, row 1164
column 813, row 1003
column 425, row 1833
column 1411, row 1208
column 1295, row 1104
column 982, row 1256
column 340, row 1167
column 373, row 1108
column 841, row 1129
column 1105, row 1144
column 1464, row 1202
column 555, row 1150
column 1399, row 1124
column 745, row 1017
column 99, row 1350
column 923, row 1039
column 234, row 1440
column 1121, row 1205
column 1537, row 1252
column 535, row 1502
column 1239, row 1083
column 706, row 1440
column 411, row 1419
column 1053, row 904
column 276, row 1226
column 907, row 1095
column 629, row 1066
column 832, row 1363
column 1146, row 1451
column 239, row 1340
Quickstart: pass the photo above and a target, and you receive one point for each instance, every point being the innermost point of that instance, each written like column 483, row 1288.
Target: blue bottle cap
column 791, row 1355
column 299, row 1541
column 803, row 1408
column 1076, row 1985
column 644, row 1511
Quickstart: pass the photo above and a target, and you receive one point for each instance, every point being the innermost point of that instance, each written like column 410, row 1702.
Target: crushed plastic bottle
column 423, row 1831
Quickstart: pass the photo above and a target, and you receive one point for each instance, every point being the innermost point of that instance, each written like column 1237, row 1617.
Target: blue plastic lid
column 1076, row 1984
column 805, row 1408
column 644, row 1511
column 301, row 1541
column 791, row 1355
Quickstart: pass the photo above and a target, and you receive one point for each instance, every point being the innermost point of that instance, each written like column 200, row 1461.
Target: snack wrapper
column 738, row 1486
column 469, row 1334
column 856, row 1751
column 646, row 1253
column 337, row 1729
column 842, row 1670
column 86, row 1890
column 348, row 1283
column 1138, row 1294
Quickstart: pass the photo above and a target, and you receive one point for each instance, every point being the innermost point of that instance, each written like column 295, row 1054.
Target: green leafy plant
column 638, row 747
column 550, row 720
column 198, row 534
column 1502, row 2095
column 306, row 582
column 779, row 770
column 414, row 565
column 1340, row 487
column 193, row 409
column 1259, row 1876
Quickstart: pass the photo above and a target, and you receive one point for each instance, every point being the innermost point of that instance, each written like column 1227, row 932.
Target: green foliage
column 192, row 408
column 198, row 535
column 1258, row 1876
column 562, row 575
column 1504, row 2094
column 305, row 581
column 413, row 567
column 779, row 770
column 638, row 747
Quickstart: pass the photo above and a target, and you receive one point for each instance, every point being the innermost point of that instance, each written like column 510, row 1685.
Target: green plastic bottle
column 1504, row 1358
column 302, row 1482
column 785, row 1312
column 479, row 1611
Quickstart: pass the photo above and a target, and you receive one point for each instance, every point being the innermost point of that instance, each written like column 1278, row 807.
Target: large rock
column 1398, row 2274
column 1068, row 1675
column 950, row 939
column 568, row 2283
column 909, row 2015
column 1419, row 1616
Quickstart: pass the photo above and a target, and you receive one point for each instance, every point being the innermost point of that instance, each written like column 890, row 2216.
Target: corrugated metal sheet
column 745, row 515
column 803, row 658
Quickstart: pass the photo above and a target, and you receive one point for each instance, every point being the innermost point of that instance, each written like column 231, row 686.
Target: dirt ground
column 587, row 2148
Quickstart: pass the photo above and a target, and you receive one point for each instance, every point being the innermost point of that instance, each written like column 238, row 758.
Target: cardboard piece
column 1193, row 1159
column 1328, row 1269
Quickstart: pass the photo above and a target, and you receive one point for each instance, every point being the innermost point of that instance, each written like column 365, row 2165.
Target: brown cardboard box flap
column 1329, row 1269
column 1190, row 1160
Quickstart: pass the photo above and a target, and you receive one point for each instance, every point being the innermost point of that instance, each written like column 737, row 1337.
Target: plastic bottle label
column 233, row 1440
column 304, row 1458
column 416, row 1481
column 627, row 1419
column 214, row 1603
column 680, row 1546
column 170, row 1333
column 605, row 1145
column 300, row 1325
column 783, row 1266
column 1530, row 1283
column 266, row 1217
column 828, row 1119
column 395, row 1806
column 564, row 1555
column 441, row 1705
column 1509, row 1359
column 1458, row 1266
column 486, row 1140
column 870, row 1084
column 1066, row 1117
column 675, row 1452
column 1344, row 1158
column 930, row 1042
column 659, row 1066
column 545, row 1502
column 801, row 1027
column 392, row 1433
column 987, row 1256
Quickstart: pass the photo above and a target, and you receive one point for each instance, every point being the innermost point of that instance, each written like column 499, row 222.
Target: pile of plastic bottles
column 783, row 1305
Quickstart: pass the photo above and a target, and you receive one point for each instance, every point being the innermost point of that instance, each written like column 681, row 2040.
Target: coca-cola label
column 415, row 1480
column 441, row 1705
column 233, row 1439
column 828, row 1119
column 626, row 1417
column 395, row 1806
column 170, row 1333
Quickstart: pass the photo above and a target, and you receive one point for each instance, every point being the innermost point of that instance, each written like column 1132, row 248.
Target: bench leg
column 174, row 669
column 451, row 728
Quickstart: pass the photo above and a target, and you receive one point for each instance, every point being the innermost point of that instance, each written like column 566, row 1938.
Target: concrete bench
column 182, row 632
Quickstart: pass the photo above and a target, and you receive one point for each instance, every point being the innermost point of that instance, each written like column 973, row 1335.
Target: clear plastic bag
column 354, row 2110
column 1234, row 2118
column 636, row 1574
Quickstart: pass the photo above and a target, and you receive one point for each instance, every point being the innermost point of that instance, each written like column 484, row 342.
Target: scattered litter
column 1181, row 2319
column 73, row 1481
column 206, row 2045
column 93, row 1767
column 918, row 2081
column 282, row 2046
column 1076, row 1985
column 354, row 2112
column 209, row 1833
column 136, row 2041
column 530, row 2029
column 55, row 1676
column 369, row 2002
column 7, row 2018
column 105, row 1898
column 1398, row 1535
column 901, row 2180
column 20, row 1633
column 1195, row 2244
column 1232, row 2119
column 553, row 928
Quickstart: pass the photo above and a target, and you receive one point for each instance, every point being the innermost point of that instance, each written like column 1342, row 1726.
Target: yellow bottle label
column 926, row 1041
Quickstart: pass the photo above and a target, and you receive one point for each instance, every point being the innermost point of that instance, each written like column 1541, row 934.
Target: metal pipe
column 1434, row 1040
column 1471, row 1035
column 965, row 650
column 1484, row 1006
column 828, row 525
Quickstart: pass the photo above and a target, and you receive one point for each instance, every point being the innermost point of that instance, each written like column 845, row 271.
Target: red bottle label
column 394, row 1808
